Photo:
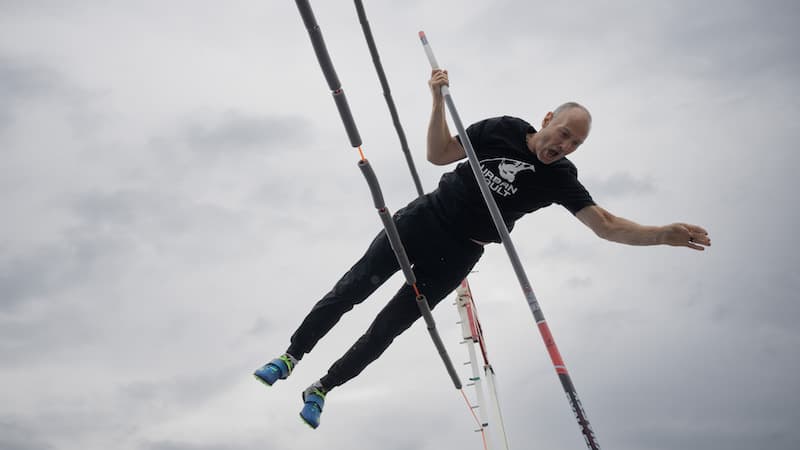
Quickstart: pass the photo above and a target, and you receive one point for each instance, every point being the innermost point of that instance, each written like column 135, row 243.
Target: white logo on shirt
column 508, row 170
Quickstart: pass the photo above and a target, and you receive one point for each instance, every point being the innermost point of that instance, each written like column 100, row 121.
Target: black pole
column 387, row 94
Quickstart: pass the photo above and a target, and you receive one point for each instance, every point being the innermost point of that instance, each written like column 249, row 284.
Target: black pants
column 440, row 261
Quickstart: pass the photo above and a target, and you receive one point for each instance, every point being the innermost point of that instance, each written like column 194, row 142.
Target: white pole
column 473, row 328
column 469, row 338
column 492, row 386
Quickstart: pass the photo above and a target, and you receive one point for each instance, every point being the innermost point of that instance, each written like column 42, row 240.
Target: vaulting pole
column 527, row 290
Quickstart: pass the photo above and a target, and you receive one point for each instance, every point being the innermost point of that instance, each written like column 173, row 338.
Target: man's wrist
column 661, row 235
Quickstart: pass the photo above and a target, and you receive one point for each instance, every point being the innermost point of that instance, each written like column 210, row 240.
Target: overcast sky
column 177, row 191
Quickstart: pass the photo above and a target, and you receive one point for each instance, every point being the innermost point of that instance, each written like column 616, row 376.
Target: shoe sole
column 263, row 381
column 307, row 422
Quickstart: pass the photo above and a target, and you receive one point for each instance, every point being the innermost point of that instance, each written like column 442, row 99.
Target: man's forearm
column 628, row 232
column 438, row 131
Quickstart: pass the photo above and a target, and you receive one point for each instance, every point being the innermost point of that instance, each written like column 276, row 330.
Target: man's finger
column 694, row 246
column 694, row 228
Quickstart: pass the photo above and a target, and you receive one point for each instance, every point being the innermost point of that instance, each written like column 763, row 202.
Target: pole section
column 405, row 264
column 387, row 94
column 527, row 290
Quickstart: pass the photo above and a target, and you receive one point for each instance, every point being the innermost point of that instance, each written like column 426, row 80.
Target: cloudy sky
column 177, row 191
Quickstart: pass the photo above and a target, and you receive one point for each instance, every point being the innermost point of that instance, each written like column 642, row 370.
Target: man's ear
column 547, row 118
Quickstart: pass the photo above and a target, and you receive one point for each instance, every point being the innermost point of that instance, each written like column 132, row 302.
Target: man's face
column 560, row 135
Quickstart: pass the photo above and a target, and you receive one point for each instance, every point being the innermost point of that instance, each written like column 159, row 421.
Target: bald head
column 562, row 132
column 564, row 107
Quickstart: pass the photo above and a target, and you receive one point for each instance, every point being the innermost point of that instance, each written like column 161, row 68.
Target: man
column 444, row 231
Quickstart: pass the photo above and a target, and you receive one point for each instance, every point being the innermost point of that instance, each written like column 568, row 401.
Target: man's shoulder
column 566, row 166
column 509, row 121
column 505, row 124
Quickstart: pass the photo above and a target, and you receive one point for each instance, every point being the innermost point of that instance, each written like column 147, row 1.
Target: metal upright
column 473, row 334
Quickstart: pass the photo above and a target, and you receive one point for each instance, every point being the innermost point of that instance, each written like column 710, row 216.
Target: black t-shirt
column 520, row 183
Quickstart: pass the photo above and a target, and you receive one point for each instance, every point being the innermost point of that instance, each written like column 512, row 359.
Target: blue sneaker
column 314, row 399
column 278, row 369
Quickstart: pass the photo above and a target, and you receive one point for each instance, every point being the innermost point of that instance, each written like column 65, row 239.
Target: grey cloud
column 260, row 326
column 84, row 416
column 71, row 426
column 263, row 444
column 153, row 217
column 20, row 81
column 51, row 267
column 756, row 295
column 129, row 208
column 54, row 427
column 234, row 131
column 291, row 196
column 686, row 437
column 23, row 339
column 111, row 226
column 185, row 391
column 174, row 445
column 619, row 184
column 373, row 428
column 19, row 280
column 536, row 22
column 749, row 39
column 27, row 81
column 18, row 437
column 56, row 266
column 751, row 420
column 11, row 7
column 560, row 249
column 578, row 282
column 117, row 207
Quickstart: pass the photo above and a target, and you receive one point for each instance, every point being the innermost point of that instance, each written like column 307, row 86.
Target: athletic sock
column 315, row 386
column 291, row 358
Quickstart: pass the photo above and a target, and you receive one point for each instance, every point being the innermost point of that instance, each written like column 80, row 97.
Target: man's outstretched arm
column 618, row 229
column 443, row 148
